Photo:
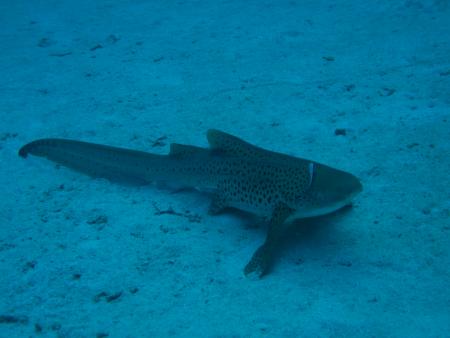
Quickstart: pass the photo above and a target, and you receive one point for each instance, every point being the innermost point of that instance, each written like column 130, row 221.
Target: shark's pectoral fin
column 262, row 258
column 259, row 264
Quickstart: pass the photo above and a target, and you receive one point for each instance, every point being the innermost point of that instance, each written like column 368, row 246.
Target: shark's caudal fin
column 96, row 160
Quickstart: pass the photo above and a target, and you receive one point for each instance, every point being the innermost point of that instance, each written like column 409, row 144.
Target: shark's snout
column 332, row 186
column 350, row 185
column 358, row 186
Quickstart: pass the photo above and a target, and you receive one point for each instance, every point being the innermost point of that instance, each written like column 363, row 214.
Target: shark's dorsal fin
column 177, row 149
column 231, row 145
column 223, row 143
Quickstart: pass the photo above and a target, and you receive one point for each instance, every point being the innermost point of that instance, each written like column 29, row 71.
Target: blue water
column 361, row 86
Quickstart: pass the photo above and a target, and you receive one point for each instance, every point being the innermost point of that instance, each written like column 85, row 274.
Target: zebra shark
column 277, row 187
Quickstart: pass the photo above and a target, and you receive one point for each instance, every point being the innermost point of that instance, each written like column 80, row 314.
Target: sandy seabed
column 361, row 86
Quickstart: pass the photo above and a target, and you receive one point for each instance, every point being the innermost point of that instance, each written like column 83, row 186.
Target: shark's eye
column 311, row 173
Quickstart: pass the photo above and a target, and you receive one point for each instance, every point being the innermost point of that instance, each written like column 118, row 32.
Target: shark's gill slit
column 311, row 173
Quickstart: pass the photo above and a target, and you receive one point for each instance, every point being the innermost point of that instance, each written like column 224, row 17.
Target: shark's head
column 329, row 190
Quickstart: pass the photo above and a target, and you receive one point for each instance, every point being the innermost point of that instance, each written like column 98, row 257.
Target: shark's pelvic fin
column 218, row 204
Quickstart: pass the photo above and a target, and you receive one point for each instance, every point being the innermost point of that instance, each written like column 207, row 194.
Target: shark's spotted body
column 237, row 173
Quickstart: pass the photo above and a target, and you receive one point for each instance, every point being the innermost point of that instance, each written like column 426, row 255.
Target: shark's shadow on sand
column 313, row 232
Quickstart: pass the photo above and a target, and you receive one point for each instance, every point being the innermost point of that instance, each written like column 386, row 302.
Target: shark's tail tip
column 23, row 152
column 36, row 147
column 31, row 147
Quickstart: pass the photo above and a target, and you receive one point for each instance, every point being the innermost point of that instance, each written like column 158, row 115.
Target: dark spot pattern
column 246, row 177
